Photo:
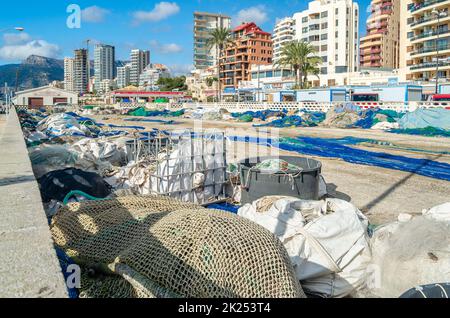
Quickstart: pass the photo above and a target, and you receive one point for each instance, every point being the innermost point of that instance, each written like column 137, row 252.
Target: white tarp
column 62, row 125
column 411, row 253
column 326, row 240
column 186, row 169
column 179, row 172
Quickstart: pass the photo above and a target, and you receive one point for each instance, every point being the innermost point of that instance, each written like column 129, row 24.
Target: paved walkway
column 28, row 263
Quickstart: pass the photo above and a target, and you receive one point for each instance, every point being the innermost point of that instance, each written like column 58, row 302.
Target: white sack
column 326, row 240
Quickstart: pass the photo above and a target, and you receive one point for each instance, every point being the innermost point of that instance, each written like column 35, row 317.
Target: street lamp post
column 438, row 14
column 19, row 29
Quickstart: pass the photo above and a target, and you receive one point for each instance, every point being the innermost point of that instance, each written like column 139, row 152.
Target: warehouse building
column 45, row 96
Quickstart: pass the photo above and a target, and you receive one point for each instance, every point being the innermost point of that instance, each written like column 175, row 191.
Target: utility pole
column 436, row 12
column 88, row 41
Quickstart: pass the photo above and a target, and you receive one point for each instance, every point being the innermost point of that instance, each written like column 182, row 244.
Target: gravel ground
column 382, row 194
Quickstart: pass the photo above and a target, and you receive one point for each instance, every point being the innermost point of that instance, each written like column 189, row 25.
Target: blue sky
column 163, row 27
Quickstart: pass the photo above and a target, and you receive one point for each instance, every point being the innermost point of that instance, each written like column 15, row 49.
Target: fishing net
column 150, row 246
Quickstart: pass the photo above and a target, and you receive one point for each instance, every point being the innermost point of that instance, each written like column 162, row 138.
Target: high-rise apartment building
column 81, row 66
column 331, row 26
column 123, row 76
column 69, row 75
column 283, row 33
column 139, row 61
column 250, row 46
column 104, row 63
column 204, row 24
column 380, row 46
column 425, row 40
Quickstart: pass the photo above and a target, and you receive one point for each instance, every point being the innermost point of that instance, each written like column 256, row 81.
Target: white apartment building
column 204, row 24
column 151, row 75
column 106, row 86
column 69, row 68
column 425, row 41
column 332, row 27
column 139, row 61
column 284, row 32
column 104, row 63
column 123, row 76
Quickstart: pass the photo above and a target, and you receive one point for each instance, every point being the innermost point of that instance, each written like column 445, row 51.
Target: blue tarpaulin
column 224, row 207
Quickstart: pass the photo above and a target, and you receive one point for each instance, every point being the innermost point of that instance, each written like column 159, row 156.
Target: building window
column 305, row 30
column 337, row 22
column 304, row 19
column 324, row 26
column 324, row 70
column 337, row 11
column 341, row 69
column 324, row 36
column 324, row 14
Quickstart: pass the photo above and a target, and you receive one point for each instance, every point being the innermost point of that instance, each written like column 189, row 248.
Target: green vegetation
column 172, row 83
column 220, row 38
column 301, row 58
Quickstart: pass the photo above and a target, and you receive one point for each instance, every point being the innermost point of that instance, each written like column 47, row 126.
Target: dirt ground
column 382, row 194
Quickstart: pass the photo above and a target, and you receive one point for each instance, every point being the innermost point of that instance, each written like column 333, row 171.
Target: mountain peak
column 42, row 61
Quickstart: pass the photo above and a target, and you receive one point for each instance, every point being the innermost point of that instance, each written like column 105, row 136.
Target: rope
column 81, row 193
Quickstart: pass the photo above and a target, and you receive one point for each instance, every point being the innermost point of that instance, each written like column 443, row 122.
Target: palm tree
column 219, row 38
column 300, row 57
column 311, row 67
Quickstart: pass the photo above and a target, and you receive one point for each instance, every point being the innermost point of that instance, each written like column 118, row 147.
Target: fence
column 255, row 106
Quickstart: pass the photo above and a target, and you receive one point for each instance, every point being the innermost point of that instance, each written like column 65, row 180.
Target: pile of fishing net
column 137, row 246
column 351, row 116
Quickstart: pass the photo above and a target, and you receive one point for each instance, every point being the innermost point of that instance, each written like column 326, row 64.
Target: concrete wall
column 28, row 263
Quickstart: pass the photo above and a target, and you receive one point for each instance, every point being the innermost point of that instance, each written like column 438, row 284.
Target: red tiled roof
column 250, row 27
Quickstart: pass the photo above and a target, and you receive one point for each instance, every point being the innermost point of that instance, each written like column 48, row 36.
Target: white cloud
column 257, row 14
column 22, row 51
column 161, row 11
column 94, row 14
column 16, row 38
column 166, row 48
column 180, row 69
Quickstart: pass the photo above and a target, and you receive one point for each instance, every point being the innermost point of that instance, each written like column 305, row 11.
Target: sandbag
column 411, row 253
column 327, row 241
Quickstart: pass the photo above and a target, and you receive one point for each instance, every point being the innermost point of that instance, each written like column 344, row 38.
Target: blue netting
column 305, row 120
column 329, row 148
column 262, row 114
column 371, row 117
column 428, row 131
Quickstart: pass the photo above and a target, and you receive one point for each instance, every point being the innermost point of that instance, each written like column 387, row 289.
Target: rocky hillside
column 35, row 71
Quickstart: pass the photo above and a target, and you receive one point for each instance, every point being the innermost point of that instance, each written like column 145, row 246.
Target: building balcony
column 429, row 34
column 378, row 25
column 429, row 18
column 425, row 4
column 377, row 31
column 429, row 65
column 430, row 50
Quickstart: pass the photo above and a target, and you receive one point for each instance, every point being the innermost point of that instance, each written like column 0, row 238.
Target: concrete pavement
column 28, row 263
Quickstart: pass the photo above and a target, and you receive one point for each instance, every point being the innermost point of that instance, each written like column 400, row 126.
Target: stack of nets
column 137, row 246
